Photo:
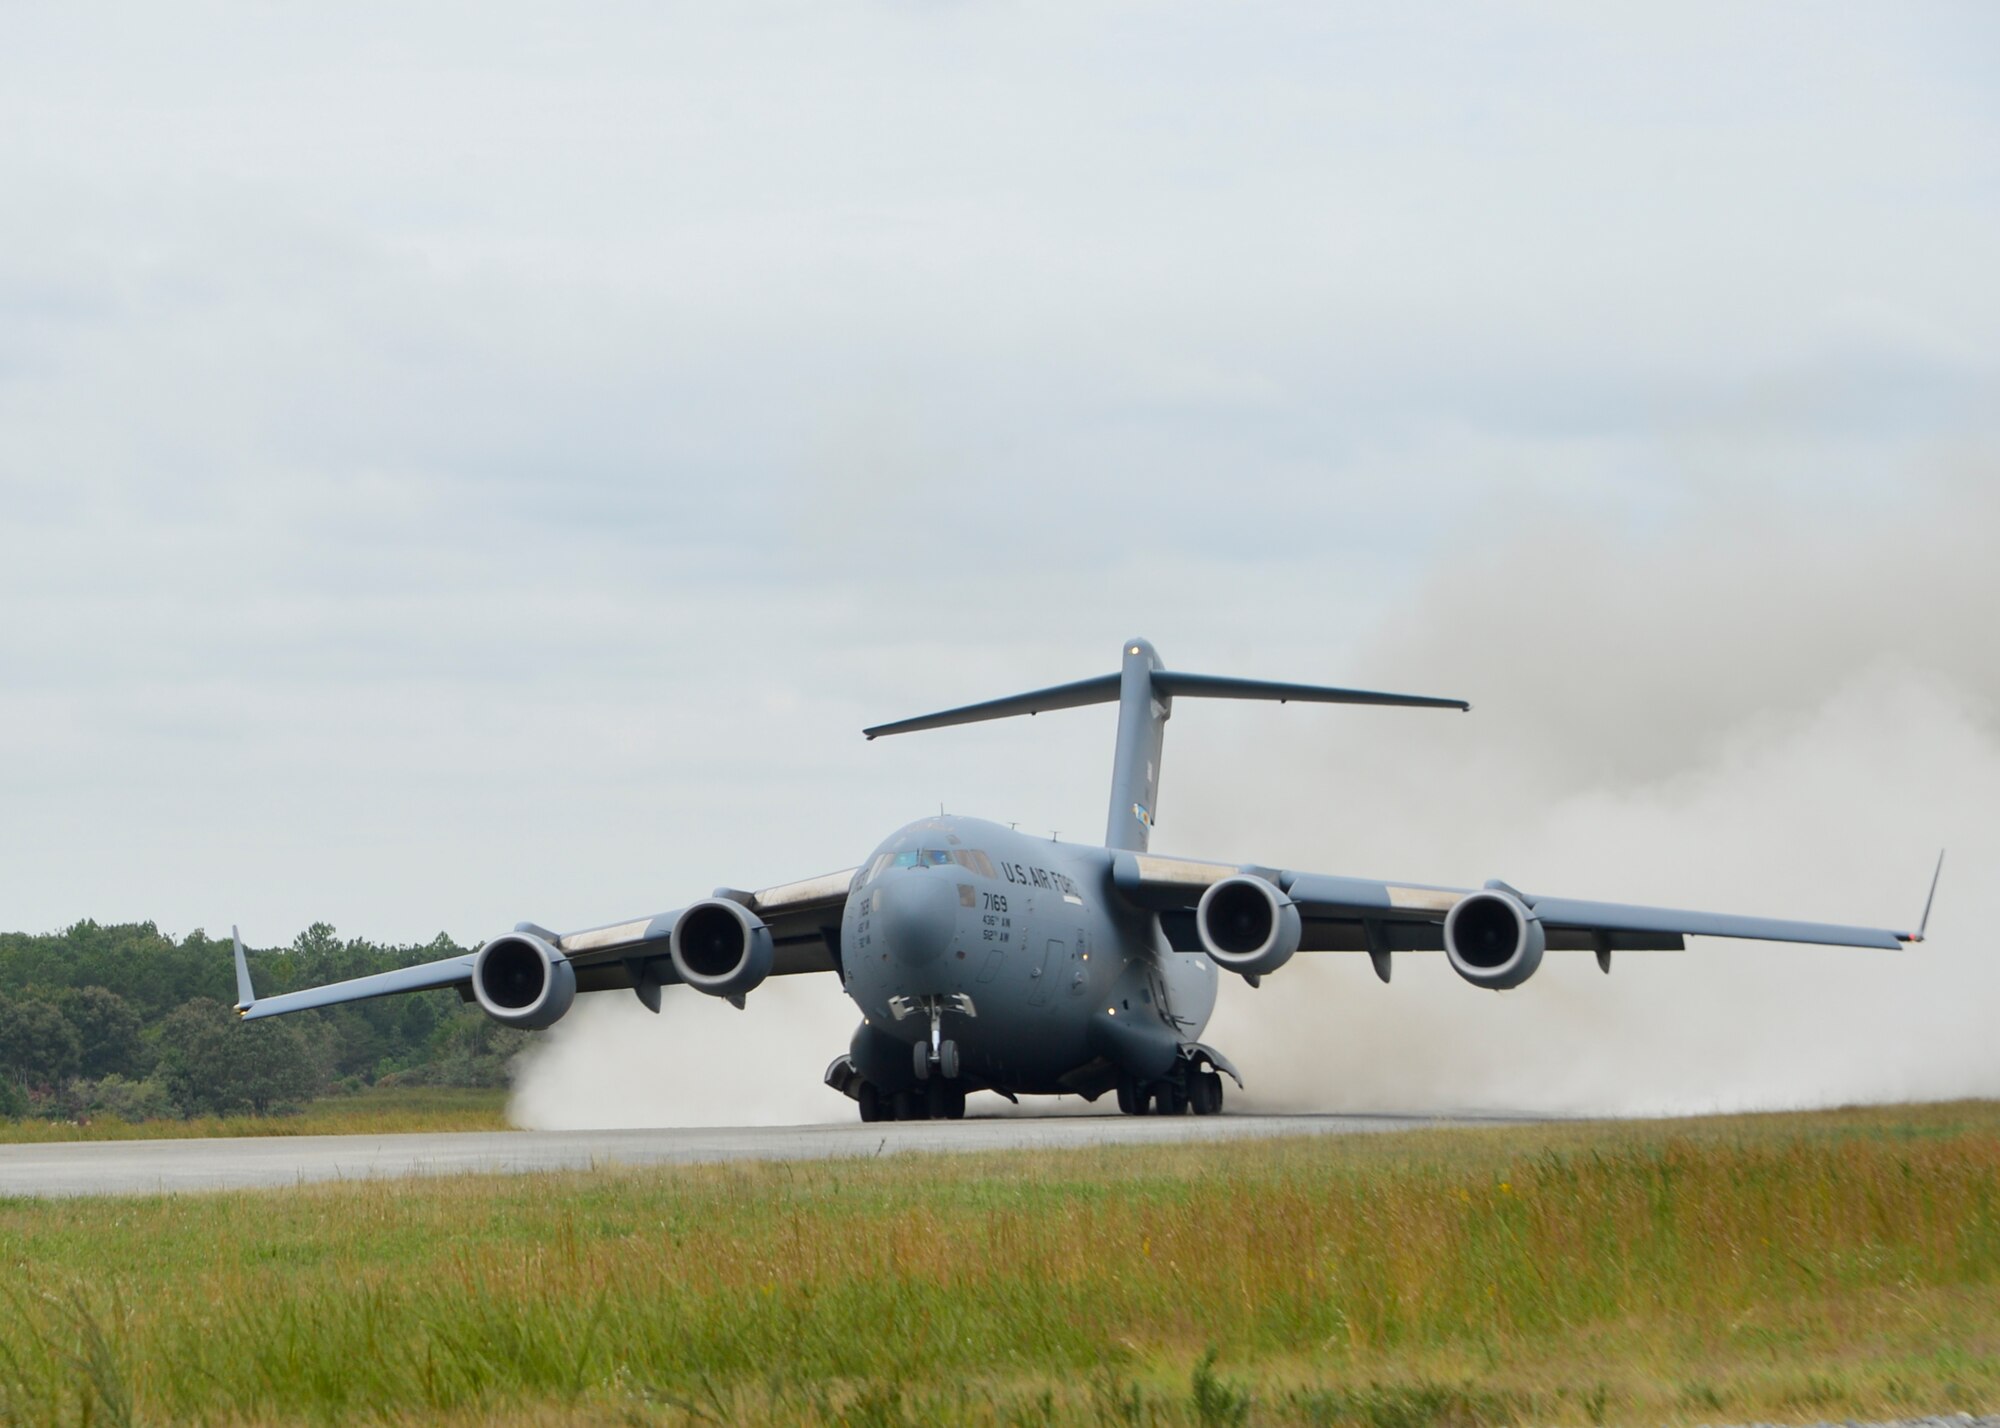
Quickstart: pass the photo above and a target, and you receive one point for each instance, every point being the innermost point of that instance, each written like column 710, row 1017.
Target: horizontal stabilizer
column 1144, row 690
column 1101, row 690
column 1219, row 686
column 1169, row 682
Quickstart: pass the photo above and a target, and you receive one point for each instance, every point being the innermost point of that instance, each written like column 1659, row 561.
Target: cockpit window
column 969, row 858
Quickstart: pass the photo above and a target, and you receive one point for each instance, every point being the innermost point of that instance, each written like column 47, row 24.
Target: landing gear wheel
column 936, row 1093
column 910, row 1106
column 1129, row 1100
column 920, row 1058
column 948, row 1060
column 1173, row 1098
column 1205, row 1093
column 870, row 1101
column 954, row 1101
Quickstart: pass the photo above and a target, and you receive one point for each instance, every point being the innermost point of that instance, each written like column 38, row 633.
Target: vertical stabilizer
column 1143, row 711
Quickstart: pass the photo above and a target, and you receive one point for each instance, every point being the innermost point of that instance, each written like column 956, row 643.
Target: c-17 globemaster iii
column 986, row 959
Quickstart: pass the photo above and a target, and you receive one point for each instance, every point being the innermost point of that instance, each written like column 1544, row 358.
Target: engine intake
column 1492, row 940
column 722, row 948
column 520, row 980
column 1247, row 925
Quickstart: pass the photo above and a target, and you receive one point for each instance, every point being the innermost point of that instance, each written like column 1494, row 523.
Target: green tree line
column 127, row 1021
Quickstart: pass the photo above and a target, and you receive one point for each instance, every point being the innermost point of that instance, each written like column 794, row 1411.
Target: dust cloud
column 611, row 1064
column 1836, row 817
column 1747, row 716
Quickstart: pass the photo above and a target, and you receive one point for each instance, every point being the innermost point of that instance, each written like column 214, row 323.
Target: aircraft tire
column 1205, row 1093
column 920, row 1059
column 949, row 1101
column 948, row 1060
column 1128, row 1097
column 1173, row 1100
column 910, row 1106
column 870, row 1101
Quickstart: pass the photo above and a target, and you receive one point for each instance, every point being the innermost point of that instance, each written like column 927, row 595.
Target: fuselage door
column 1162, row 997
column 1053, row 954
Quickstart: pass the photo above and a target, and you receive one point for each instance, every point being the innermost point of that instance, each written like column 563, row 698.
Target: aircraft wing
column 804, row 918
column 1340, row 914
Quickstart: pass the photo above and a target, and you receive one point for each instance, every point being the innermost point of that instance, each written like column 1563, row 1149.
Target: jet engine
column 1493, row 940
column 722, row 948
column 1247, row 925
column 520, row 980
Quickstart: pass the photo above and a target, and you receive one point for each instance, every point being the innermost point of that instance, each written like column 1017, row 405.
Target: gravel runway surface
column 138, row 1167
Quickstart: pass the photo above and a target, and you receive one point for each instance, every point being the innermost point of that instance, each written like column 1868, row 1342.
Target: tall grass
column 385, row 1111
column 1775, row 1268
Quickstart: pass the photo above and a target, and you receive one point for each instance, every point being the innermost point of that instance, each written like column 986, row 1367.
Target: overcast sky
column 467, row 463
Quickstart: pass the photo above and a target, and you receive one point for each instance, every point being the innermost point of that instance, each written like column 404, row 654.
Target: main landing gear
column 934, row 1100
column 1187, row 1087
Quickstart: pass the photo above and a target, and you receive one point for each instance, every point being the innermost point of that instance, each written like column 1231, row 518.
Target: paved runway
column 139, row 1167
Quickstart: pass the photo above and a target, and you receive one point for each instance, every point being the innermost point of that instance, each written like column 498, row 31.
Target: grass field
column 1833, row 1265
column 372, row 1112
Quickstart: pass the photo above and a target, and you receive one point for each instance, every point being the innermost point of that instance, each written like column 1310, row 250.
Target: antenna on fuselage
column 1144, row 691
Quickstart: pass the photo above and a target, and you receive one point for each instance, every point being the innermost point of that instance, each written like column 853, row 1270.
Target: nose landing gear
column 936, row 1069
column 940, row 1093
column 937, row 1054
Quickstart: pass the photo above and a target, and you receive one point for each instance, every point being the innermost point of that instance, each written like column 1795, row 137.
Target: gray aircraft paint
column 1143, row 712
column 984, row 958
column 1065, row 982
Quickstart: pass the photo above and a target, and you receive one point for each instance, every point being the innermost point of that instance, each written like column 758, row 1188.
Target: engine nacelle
column 1492, row 940
column 520, row 980
column 722, row 948
column 1247, row 925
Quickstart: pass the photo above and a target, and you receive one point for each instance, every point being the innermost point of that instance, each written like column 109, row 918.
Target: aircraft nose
column 916, row 914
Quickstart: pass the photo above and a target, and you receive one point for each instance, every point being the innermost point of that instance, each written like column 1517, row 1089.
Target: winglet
column 245, row 997
column 1925, row 922
column 1936, row 873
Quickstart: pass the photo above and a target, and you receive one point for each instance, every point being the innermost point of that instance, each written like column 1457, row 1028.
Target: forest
column 127, row 1021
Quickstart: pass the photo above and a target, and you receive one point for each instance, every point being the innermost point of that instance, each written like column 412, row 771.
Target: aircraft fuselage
column 1019, row 950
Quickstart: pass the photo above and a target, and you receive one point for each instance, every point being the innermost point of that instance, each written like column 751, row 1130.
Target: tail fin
column 1144, row 691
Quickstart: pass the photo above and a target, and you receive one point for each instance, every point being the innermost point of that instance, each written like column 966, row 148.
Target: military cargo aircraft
column 982, row 958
